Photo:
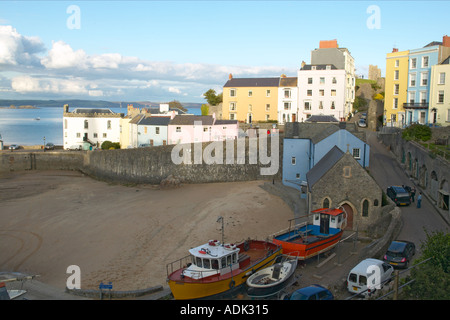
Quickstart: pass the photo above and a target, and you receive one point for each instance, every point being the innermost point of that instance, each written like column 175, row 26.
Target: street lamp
column 44, row 143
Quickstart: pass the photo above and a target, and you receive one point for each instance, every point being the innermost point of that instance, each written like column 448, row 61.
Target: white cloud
column 16, row 49
column 63, row 56
column 27, row 84
column 174, row 90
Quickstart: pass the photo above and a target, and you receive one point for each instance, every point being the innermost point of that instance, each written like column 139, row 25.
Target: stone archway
column 423, row 181
column 434, row 185
column 444, row 196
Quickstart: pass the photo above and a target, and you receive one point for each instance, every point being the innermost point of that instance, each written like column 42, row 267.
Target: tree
column 417, row 132
column 213, row 98
column 359, row 104
column 432, row 278
column 205, row 109
column 177, row 104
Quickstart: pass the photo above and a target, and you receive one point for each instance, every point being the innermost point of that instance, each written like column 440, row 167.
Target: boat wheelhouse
column 307, row 240
column 214, row 268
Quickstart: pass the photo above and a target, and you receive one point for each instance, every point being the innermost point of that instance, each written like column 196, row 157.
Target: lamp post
column 44, row 143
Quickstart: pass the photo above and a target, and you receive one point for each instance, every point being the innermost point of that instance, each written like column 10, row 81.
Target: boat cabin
column 212, row 258
column 327, row 219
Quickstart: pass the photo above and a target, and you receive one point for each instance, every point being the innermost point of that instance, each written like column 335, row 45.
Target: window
column 396, row 88
column 205, row 129
column 313, row 67
column 178, row 129
column 423, row 97
column 365, row 208
column 267, row 117
column 232, row 116
column 86, row 124
column 412, row 80
column 322, row 80
column 307, row 105
column 328, row 67
column 320, row 104
column 293, row 161
column 412, row 97
column 95, row 135
column 441, row 78
column 250, row 93
column 424, row 79
column 287, row 93
column 326, row 203
column 441, row 96
column 65, row 123
column 334, row 81
column 397, row 63
column 297, row 175
column 395, row 103
column 321, row 92
column 156, row 130
column 448, row 115
column 356, row 153
column 310, row 80
column 333, row 92
column 287, row 106
column 333, row 106
column 309, row 93
column 250, row 108
column 413, row 63
column 267, row 107
column 78, row 135
column 108, row 125
column 396, row 73
column 267, row 93
column 104, row 135
column 425, row 62
column 232, row 92
column 232, row 106
column 347, row 172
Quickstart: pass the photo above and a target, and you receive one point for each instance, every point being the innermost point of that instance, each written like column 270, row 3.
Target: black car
column 49, row 146
column 399, row 195
column 400, row 253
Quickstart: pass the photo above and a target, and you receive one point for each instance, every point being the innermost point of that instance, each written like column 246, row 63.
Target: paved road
column 387, row 172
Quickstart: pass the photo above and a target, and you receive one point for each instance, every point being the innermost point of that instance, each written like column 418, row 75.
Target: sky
column 161, row 51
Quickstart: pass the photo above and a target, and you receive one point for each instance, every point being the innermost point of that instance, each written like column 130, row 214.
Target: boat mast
column 221, row 219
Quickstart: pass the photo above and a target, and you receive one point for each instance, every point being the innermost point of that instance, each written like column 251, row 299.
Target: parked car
column 14, row 147
column 313, row 292
column 362, row 123
column 400, row 253
column 399, row 195
column 364, row 115
column 368, row 275
column 74, row 147
column 49, row 146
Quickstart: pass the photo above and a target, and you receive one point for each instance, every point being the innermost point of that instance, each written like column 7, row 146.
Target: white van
column 368, row 275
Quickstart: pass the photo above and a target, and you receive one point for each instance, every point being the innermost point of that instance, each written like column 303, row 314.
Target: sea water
column 27, row 127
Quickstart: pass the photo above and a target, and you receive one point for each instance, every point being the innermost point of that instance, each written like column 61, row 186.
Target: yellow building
column 250, row 99
column 396, row 87
column 440, row 93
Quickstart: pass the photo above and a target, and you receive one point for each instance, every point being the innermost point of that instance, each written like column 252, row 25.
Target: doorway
column 349, row 211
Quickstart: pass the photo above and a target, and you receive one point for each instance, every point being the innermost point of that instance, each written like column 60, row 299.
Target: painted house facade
column 90, row 127
column 250, row 99
column 306, row 144
column 153, row 131
column 321, row 91
column 440, row 93
column 287, row 100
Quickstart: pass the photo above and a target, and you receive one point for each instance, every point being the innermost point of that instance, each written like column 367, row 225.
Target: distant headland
column 20, row 107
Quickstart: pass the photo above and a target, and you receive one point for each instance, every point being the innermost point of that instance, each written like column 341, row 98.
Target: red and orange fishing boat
column 307, row 239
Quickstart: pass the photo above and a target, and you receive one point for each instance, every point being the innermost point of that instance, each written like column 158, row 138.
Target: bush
column 417, row 132
column 108, row 145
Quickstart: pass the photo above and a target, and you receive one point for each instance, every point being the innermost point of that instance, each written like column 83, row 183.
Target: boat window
column 316, row 217
column 229, row 259
column 333, row 219
column 223, row 262
column 234, row 257
column 198, row 262
column 215, row 264
column 206, row 263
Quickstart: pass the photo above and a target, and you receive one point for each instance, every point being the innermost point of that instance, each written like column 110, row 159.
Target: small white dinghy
column 271, row 280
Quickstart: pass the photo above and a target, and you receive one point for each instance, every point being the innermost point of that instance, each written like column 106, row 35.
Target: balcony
column 416, row 105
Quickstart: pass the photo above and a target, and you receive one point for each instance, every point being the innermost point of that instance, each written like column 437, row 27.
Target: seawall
column 238, row 160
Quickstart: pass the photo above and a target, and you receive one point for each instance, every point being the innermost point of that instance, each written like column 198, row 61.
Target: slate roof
column 321, row 118
column 313, row 131
column 253, row 82
column 322, row 167
column 318, row 66
column 226, row 122
column 188, row 119
column 155, row 121
column 92, row 110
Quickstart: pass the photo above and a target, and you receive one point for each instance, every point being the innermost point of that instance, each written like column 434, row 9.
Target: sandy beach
column 124, row 234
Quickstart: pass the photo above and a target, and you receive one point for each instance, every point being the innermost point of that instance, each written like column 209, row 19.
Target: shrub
column 108, row 145
column 417, row 132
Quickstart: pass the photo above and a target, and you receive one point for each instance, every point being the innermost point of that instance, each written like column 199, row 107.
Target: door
column 348, row 209
column 325, row 223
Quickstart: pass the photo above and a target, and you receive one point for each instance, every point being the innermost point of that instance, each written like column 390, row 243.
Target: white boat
column 273, row 279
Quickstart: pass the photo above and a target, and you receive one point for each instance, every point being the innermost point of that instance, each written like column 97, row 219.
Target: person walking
column 419, row 200
column 413, row 193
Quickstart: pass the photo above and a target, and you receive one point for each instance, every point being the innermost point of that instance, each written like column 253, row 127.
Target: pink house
column 193, row 128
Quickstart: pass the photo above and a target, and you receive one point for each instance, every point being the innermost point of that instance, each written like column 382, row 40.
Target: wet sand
column 50, row 220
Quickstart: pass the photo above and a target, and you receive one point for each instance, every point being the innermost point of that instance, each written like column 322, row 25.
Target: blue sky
column 165, row 50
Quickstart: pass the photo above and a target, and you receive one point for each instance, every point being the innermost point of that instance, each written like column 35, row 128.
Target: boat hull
column 217, row 285
column 308, row 250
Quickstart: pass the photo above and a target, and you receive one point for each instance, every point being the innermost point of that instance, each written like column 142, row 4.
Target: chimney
column 230, row 77
column 324, row 44
column 303, row 64
column 446, row 41
column 395, row 50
